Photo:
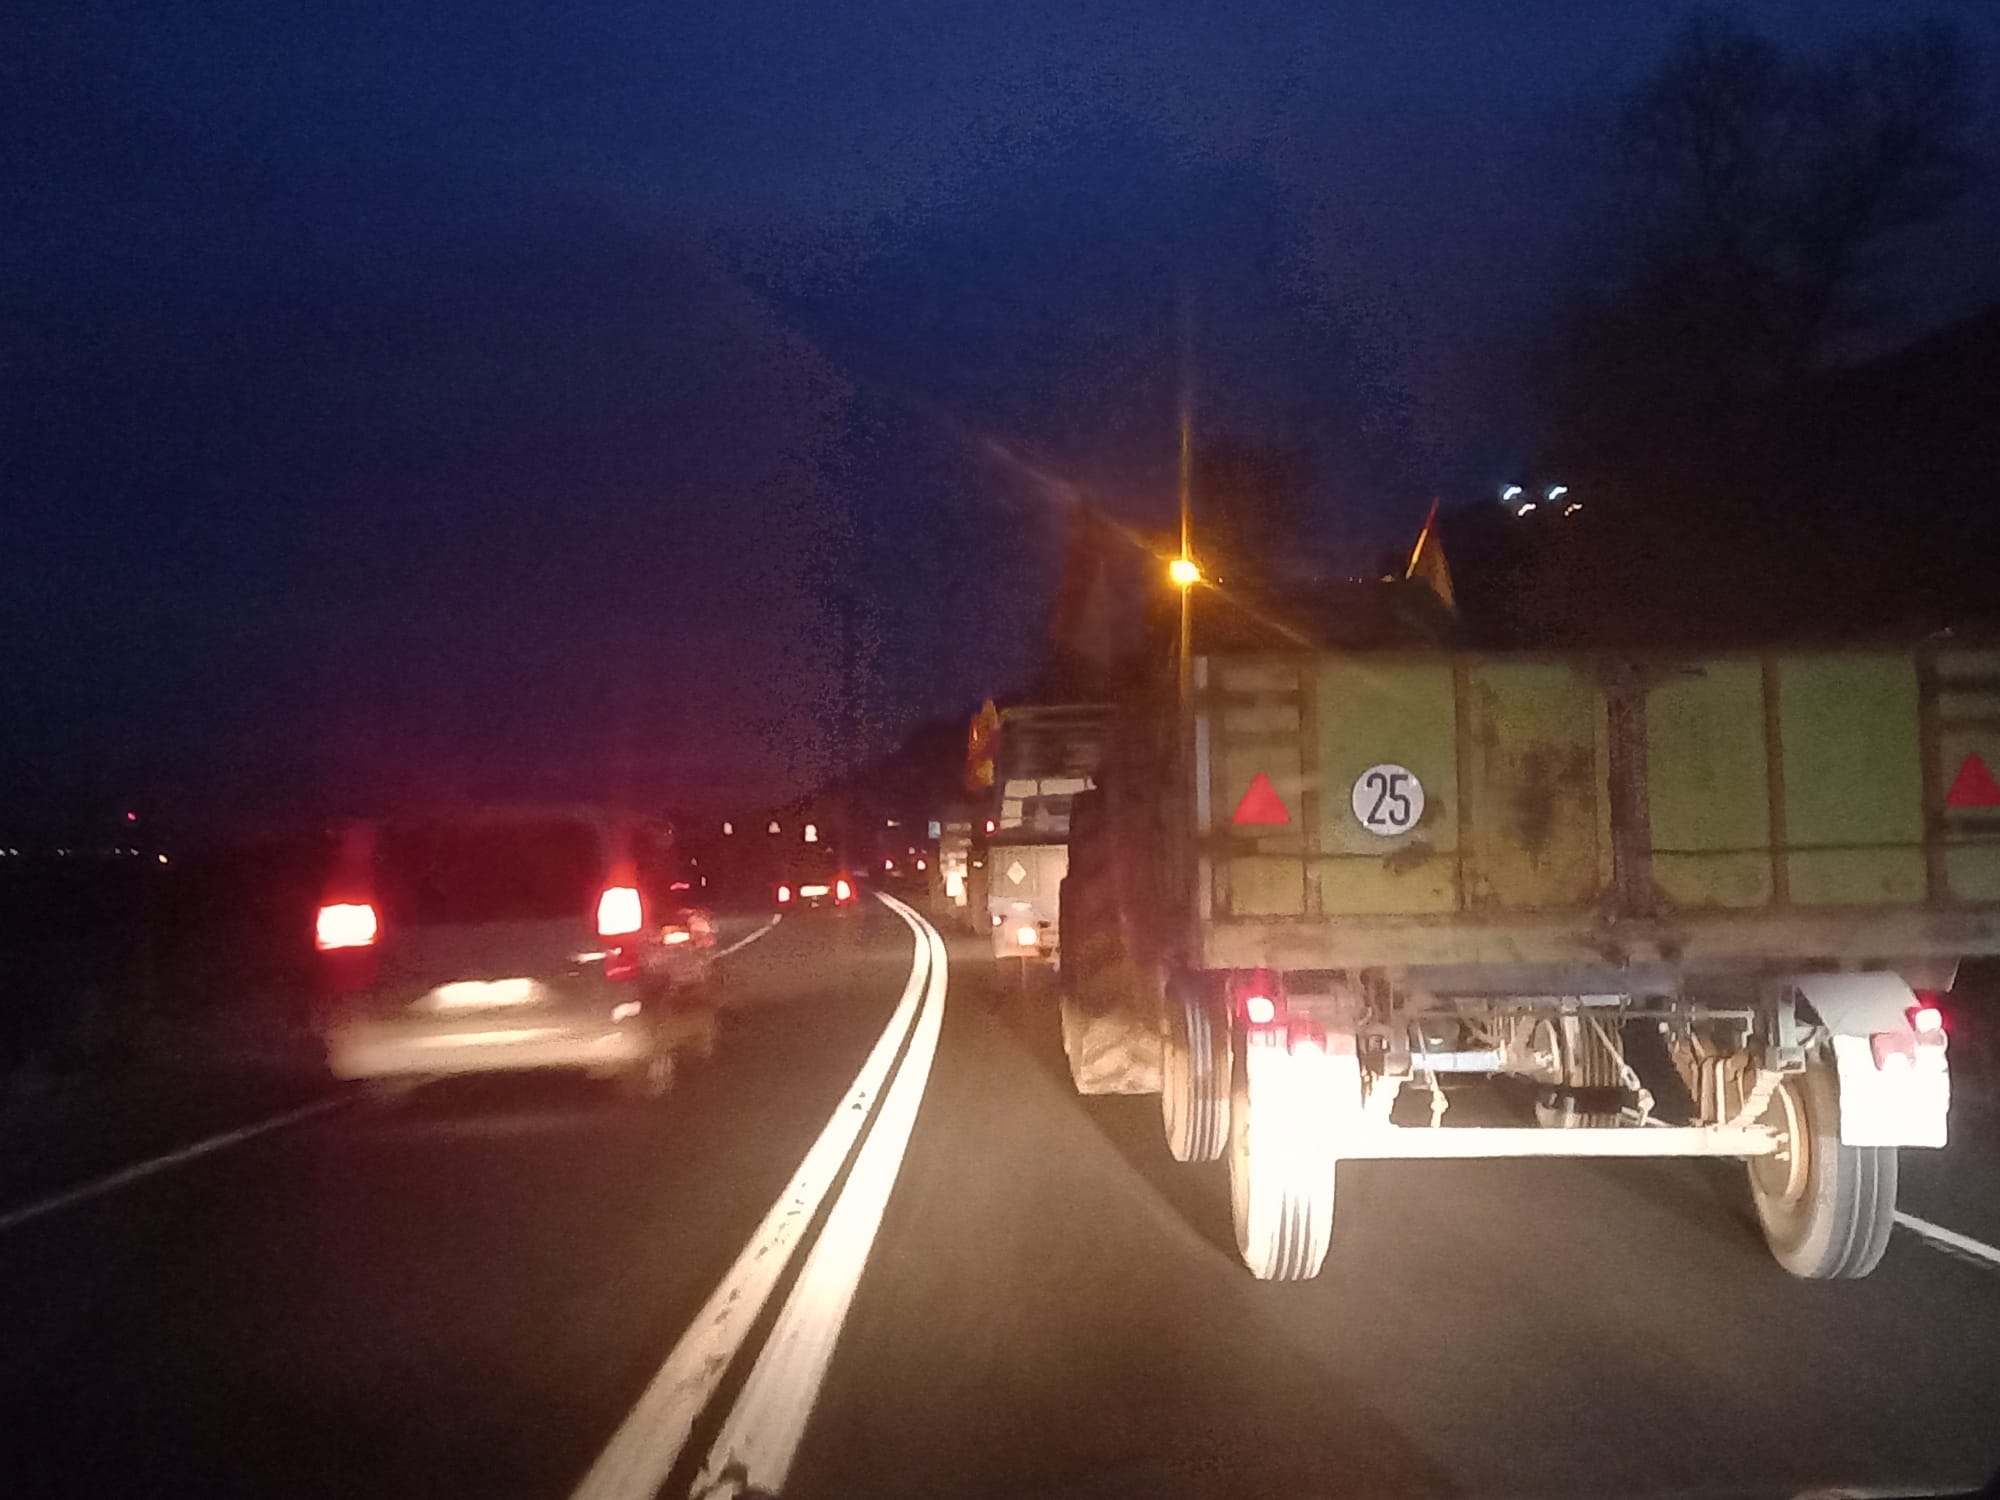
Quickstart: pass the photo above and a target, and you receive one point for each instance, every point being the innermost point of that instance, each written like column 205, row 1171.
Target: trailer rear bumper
column 1466, row 954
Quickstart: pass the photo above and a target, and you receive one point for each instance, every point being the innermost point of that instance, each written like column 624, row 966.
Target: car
column 817, row 883
column 511, row 939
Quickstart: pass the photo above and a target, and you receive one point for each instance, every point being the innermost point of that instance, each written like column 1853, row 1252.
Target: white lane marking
column 741, row 943
column 124, row 1175
column 755, row 1448
column 635, row 1463
column 1949, row 1239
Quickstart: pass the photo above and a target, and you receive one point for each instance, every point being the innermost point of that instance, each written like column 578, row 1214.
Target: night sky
column 553, row 397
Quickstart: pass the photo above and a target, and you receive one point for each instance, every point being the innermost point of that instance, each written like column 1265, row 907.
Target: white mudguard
column 1900, row 1106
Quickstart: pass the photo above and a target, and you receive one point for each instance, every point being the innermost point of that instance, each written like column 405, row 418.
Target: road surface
column 474, row 1289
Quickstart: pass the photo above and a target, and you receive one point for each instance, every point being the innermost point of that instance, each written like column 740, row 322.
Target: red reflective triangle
column 1262, row 804
column 1974, row 786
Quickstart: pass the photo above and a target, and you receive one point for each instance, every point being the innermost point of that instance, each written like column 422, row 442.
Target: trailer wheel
column 1194, row 1072
column 1827, row 1209
column 1582, row 1061
column 1285, row 1109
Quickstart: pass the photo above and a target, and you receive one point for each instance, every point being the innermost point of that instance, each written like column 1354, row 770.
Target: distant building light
column 1510, row 492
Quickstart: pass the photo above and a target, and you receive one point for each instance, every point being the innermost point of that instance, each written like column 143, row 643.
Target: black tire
column 1828, row 1212
column 1282, row 1157
column 1194, row 1072
column 652, row 1078
column 1586, row 1063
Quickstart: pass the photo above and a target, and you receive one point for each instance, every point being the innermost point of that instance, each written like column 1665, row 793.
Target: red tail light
column 345, row 924
column 1258, row 996
column 784, row 894
column 842, row 891
column 1926, row 1019
column 618, row 912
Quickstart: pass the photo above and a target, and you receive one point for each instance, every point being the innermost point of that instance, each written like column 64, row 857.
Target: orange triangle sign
column 1262, row 804
column 1974, row 786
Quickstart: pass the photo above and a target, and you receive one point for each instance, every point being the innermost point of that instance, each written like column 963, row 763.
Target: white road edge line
column 207, row 1146
column 758, row 1441
column 1949, row 1239
column 744, row 942
column 644, row 1449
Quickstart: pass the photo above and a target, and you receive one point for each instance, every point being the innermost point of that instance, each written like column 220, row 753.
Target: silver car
column 510, row 939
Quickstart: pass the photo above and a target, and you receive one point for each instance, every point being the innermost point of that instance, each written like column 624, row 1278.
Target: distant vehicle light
column 345, row 924
column 921, row 865
column 991, row 825
column 784, row 894
column 680, row 885
column 625, row 1010
column 728, row 830
column 1525, row 507
column 842, row 891
column 810, row 891
column 812, row 833
column 1555, row 492
column 677, row 935
column 1510, row 492
column 774, row 827
column 1025, row 936
column 1259, row 1010
column 618, row 911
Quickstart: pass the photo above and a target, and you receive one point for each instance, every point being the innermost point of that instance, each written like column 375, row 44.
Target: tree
column 1755, row 195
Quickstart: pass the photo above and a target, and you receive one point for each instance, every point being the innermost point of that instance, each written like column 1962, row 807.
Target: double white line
column 758, row 1439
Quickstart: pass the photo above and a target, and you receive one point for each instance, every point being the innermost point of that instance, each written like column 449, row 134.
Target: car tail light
column 1258, row 996
column 1026, row 938
column 842, row 891
column 784, row 894
column 618, row 912
column 345, row 924
column 675, row 936
column 1926, row 1019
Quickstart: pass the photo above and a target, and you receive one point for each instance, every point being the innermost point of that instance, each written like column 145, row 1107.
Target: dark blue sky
column 494, row 392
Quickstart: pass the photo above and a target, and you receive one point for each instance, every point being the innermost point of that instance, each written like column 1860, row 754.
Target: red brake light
column 784, row 894
column 842, row 891
column 1926, row 1018
column 345, row 924
column 618, row 911
column 1259, row 996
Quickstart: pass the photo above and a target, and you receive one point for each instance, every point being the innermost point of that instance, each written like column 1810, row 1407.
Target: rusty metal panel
column 1964, row 736
column 1266, row 885
column 1709, row 786
column 1854, row 780
column 1535, row 800
column 1386, row 711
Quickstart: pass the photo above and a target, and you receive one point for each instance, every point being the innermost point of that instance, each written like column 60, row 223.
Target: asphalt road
column 465, row 1290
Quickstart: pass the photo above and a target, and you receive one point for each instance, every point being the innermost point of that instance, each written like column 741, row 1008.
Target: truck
column 1044, row 756
column 1675, row 905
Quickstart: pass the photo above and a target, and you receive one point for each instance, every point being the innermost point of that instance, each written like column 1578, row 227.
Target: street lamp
column 1184, row 572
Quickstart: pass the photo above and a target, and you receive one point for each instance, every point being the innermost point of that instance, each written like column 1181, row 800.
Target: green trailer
column 1328, row 878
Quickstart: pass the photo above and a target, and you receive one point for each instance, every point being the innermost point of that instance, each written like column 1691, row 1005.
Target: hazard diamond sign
column 1974, row 785
column 1261, row 805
